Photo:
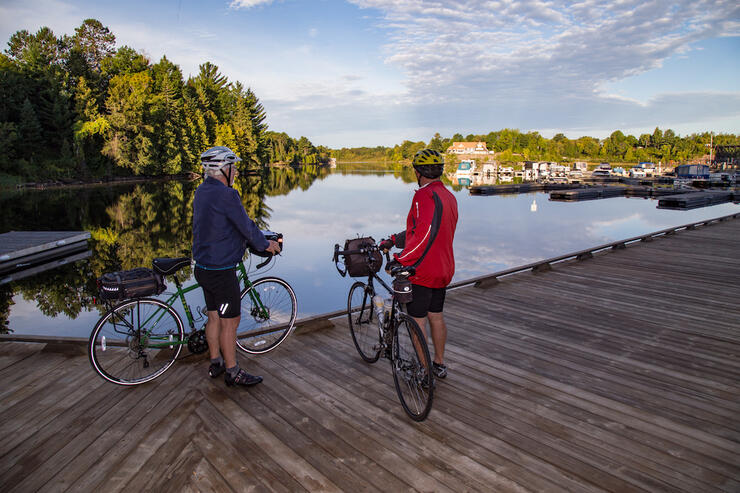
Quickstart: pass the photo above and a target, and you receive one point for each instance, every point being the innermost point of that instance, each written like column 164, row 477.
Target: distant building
column 468, row 148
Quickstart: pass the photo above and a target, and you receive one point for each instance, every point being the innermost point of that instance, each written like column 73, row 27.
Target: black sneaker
column 216, row 369
column 427, row 381
column 440, row 371
column 242, row 378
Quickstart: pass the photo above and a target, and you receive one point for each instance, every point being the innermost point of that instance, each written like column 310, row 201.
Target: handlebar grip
column 406, row 271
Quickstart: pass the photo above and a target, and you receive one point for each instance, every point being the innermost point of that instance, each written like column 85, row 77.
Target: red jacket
column 427, row 216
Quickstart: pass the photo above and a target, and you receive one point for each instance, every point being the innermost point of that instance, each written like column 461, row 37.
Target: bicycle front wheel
column 269, row 311
column 411, row 366
column 363, row 322
column 136, row 341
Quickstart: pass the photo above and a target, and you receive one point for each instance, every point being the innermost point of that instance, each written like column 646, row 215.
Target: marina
column 625, row 380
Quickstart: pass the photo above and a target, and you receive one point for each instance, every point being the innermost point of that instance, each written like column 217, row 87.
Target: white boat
column 466, row 167
column 603, row 169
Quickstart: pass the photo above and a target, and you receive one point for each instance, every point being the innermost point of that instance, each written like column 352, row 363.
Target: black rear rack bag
column 134, row 283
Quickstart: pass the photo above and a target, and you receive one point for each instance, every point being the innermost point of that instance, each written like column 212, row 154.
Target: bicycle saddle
column 168, row 266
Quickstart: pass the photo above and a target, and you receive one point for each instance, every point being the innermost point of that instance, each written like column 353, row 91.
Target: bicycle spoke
column 140, row 353
column 362, row 322
column 268, row 314
column 410, row 364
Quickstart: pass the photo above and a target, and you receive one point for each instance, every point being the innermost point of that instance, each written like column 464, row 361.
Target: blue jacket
column 221, row 227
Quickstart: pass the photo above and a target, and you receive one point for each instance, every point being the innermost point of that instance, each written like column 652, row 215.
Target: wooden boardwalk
column 618, row 373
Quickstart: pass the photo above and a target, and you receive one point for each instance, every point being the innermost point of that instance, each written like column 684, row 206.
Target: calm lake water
column 314, row 208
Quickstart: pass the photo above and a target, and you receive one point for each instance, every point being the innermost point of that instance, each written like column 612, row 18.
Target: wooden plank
column 360, row 381
column 236, row 457
column 537, row 443
column 166, row 399
column 294, row 463
column 207, row 479
column 346, row 425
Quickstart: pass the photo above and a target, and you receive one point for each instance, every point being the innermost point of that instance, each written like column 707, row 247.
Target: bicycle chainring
column 197, row 342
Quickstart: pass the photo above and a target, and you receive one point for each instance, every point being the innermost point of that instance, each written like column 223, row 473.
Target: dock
column 518, row 188
column 618, row 372
column 26, row 253
column 698, row 199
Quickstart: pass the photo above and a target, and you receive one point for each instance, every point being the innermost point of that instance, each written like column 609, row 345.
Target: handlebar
column 396, row 271
column 272, row 236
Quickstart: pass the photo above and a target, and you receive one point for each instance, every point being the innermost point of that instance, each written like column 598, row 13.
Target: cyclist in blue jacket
column 221, row 232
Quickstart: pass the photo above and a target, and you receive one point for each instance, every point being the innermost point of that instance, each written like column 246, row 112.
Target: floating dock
column 693, row 200
column 591, row 193
column 618, row 373
column 518, row 188
column 24, row 253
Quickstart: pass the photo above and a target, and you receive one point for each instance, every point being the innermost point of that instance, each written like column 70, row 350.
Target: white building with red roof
column 468, row 148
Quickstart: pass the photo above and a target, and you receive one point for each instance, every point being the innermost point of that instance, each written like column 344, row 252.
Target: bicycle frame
column 180, row 294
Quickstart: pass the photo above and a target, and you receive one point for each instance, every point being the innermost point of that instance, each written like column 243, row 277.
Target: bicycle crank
column 197, row 342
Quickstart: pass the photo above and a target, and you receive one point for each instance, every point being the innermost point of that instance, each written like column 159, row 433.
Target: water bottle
column 378, row 303
column 387, row 306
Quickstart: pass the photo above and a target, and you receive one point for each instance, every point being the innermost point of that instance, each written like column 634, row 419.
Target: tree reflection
column 6, row 301
column 129, row 227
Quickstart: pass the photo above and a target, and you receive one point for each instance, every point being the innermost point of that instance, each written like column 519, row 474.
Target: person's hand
column 390, row 265
column 273, row 247
column 386, row 245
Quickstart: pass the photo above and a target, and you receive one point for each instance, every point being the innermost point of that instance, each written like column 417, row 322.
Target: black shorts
column 426, row 300
column 221, row 291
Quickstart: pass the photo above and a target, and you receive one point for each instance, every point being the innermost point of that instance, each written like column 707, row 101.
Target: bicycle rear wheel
column 136, row 341
column 363, row 323
column 411, row 363
column 269, row 311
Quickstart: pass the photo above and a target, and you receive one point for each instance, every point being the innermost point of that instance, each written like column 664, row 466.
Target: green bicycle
column 139, row 339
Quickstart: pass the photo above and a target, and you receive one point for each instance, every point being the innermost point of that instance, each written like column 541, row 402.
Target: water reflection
column 314, row 207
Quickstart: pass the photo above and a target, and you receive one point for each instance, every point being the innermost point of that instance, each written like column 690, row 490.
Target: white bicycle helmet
column 217, row 158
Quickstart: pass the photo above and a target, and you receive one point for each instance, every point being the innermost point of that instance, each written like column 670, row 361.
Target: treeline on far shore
column 511, row 145
column 76, row 106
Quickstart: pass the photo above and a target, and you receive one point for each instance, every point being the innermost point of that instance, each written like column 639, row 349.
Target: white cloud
column 467, row 66
column 246, row 4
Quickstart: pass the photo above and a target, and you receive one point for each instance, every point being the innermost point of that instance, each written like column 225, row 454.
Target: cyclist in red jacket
column 427, row 244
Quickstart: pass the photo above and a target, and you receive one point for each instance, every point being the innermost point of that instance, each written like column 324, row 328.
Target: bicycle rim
column 363, row 324
column 268, row 313
column 136, row 341
column 411, row 362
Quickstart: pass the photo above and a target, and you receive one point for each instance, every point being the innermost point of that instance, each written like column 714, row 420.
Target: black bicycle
column 381, row 327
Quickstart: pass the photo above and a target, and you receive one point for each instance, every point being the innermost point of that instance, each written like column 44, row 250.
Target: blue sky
column 376, row 72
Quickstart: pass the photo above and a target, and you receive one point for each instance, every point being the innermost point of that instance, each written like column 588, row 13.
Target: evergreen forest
column 78, row 107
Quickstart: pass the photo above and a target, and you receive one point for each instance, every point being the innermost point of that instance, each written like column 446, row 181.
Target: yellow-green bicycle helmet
column 429, row 163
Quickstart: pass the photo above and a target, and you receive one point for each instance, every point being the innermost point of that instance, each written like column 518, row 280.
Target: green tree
column 129, row 143
column 94, row 42
column 436, row 143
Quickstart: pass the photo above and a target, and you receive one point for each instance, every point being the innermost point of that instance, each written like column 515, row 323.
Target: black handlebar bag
column 357, row 263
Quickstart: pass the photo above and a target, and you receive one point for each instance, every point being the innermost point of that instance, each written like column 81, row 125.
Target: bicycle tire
column 411, row 364
column 120, row 354
column 260, row 332
column 362, row 322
